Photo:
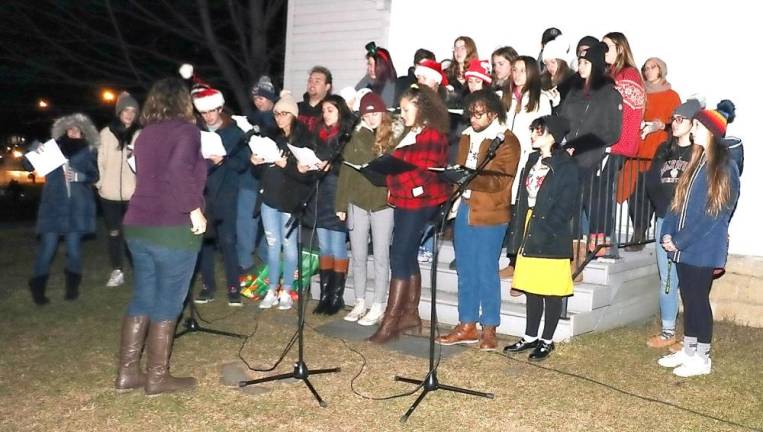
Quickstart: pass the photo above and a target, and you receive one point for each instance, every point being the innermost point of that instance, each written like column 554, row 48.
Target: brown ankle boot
column 463, row 333
column 388, row 328
column 488, row 341
column 410, row 318
column 159, row 350
column 129, row 375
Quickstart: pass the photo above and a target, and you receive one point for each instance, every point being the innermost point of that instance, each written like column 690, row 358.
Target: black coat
column 549, row 231
column 286, row 189
column 221, row 190
column 596, row 119
column 321, row 210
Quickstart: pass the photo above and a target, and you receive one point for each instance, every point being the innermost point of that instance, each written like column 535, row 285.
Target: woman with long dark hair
column 464, row 51
column 541, row 234
column 695, row 234
column 67, row 205
column 364, row 205
column 334, row 131
column 381, row 76
column 501, row 60
column 416, row 196
column 286, row 185
column 163, row 227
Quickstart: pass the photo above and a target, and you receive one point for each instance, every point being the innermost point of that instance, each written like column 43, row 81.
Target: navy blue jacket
column 62, row 212
column 221, row 192
column 702, row 240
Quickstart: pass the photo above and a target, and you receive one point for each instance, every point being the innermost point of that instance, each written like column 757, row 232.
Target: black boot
column 72, row 285
column 37, row 286
column 326, row 283
column 336, row 299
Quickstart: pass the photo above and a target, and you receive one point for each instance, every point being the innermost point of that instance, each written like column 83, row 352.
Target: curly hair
column 384, row 141
column 432, row 111
column 168, row 98
column 488, row 99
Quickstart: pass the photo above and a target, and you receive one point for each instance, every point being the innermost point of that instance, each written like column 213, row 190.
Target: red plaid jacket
column 420, row 187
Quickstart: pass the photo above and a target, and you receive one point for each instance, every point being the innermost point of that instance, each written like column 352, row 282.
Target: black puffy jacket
column 549, row 231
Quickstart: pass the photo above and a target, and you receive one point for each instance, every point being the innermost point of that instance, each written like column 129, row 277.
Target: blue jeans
column 669, row 301
column 47, row 250
column 409, row 228
column 428, row 244
column 247, row 228
column 332, row 243
column 274, row 222
column 162, row 279
column 477, row 251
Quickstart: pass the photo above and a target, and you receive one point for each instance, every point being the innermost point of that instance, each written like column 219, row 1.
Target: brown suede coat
column 490, row 201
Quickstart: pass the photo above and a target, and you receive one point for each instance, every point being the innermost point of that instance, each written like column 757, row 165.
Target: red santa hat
column 479, row 69
column 205, row 97
column 431, row 69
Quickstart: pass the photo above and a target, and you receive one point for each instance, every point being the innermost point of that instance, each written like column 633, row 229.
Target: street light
column 42, row 104
column 108, row 96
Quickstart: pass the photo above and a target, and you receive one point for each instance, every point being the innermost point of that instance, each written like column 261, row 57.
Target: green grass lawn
column 58, row 363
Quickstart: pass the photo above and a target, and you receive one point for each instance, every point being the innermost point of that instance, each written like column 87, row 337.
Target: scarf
column 124, row 134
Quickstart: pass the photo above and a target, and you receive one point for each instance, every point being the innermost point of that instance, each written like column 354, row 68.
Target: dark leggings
column 695, row 295
column 535, row 311
column 113, row 213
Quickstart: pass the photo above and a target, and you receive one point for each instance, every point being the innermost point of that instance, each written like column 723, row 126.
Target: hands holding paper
column 264, row 150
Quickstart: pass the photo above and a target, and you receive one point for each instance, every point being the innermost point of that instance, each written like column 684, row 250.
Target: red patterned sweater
column 420, row 187
column 628, row 82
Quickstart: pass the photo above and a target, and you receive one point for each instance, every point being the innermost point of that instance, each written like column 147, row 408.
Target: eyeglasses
column 281, row 113
column 678, row 119
column 477, row 115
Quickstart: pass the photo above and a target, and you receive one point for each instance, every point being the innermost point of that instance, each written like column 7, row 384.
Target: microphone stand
column 430, row 382
column 192, row 325
column 300, row 371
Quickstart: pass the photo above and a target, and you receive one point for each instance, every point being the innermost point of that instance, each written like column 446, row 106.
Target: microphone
column 497, row 141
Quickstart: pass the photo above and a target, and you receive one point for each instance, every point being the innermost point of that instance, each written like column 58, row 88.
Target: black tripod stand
column 300, row 372
column 192, row 325
column 430, row 383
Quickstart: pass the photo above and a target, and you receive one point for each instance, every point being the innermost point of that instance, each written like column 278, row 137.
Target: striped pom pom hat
column 714, row 121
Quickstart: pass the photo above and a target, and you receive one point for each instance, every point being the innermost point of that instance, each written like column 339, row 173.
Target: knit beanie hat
column 431, row 69
column 479, row 69
column 265, row 88
column 286, row 104
column 588, row 41
column 372, row 102
column 688, row 109
column 558, row 48
column 718, row 119
column 595, row 55
column 126, row 100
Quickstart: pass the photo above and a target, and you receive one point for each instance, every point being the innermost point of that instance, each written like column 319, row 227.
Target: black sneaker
column 234, row 297
column 519, row 346
column 205, row 296
column 541, row 351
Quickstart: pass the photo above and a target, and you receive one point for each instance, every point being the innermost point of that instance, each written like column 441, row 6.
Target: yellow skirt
column 542, row 276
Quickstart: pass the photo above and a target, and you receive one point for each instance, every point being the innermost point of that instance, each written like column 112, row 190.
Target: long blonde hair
column 384, row 141
column 719, row 184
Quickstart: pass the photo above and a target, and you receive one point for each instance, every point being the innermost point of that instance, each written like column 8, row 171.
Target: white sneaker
column 269, row 301
column 357, row 311
column 673, row 360
column 373, row 316
column 425, row 256
column 117, row 278
column 694, row 366
column 284, row 300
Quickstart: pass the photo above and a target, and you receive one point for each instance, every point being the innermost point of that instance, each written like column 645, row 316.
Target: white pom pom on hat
column 186, row 70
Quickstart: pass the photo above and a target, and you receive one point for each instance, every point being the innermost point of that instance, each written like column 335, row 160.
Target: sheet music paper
column 305, row 156
column 265, row 148
column 212, row 145
column 242, row 122
column 46, row 158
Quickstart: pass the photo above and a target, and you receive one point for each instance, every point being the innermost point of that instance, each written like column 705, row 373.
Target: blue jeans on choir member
column 162, row 278
column 669, row 301
column 274, row 222
column 332, row 243
column 248, row 229
column 47, row 250
column 406, row 236
column 479, row 287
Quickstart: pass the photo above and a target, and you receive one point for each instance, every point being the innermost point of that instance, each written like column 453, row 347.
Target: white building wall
column 709, row 47
column 332, row 33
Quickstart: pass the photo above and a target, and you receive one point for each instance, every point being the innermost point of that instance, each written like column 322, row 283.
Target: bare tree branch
column 122, row 43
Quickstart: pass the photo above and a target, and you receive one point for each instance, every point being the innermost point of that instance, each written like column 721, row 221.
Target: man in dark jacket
column 221, row 195
column 318, row 86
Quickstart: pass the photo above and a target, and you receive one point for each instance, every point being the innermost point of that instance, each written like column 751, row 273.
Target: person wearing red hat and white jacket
column 221, row 191
column 116, row 182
